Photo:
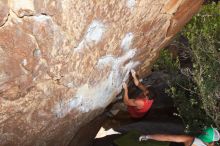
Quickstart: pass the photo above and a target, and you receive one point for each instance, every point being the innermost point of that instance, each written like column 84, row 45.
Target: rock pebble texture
column 63, row 61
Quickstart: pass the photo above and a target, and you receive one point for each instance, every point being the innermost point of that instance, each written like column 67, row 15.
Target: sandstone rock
column 63, row 62
column 4, row 12
column 22, row 7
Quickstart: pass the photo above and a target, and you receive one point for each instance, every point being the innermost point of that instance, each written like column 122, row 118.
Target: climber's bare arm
column 131, row 102
column 138, row 83
column 187, row 140
column 127, row 101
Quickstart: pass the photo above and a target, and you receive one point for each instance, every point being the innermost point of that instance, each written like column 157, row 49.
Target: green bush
column 166, row 63
column 203, row 33
column 182, row 91
column 197, row 93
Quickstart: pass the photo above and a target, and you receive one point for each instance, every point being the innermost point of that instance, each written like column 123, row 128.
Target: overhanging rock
column 63, row 61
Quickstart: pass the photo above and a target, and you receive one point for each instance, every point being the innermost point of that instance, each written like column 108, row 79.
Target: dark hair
column 152, row 93
column 130, row 80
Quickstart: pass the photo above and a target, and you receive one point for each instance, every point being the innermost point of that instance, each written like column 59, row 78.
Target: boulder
column 63, row 62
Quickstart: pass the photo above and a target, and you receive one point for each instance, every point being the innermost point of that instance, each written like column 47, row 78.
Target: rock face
column 63, row 61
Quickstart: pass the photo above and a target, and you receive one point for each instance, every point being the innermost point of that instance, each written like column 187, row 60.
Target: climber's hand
column 144, row 137
column 134, row 75
column 125, row 86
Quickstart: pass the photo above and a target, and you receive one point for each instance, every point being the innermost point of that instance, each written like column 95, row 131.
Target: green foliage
column 203, row 33
column 166, row 63
column 182, row 91
column 197, row 94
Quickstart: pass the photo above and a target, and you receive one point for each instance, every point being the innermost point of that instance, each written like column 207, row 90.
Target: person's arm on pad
column 187, row 140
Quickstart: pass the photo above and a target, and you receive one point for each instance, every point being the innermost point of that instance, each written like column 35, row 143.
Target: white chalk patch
column 37, row 53
column 106, row 60
column 127, row 41
column 90, row 98
column 95, row 97
column 24, row 62
column 130, row 3
column 22, row 5
column 102, row 94
column 41, row 18
column 71, row 85
column 93, row 35
column 95, row 31
column 61, row 109
column 102, row 132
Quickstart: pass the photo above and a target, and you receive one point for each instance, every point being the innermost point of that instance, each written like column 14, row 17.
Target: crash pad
column 131, row 139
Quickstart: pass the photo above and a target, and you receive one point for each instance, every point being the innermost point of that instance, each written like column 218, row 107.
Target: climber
column 208, row 138
column 139, row 106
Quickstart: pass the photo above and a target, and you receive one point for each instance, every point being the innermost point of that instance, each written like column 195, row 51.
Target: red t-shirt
column 139, row 113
